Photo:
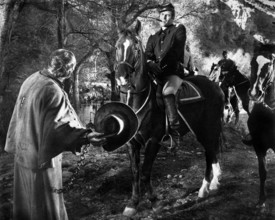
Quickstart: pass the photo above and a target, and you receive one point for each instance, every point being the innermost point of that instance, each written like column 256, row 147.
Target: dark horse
column 139, row 92
column 261, row 122
column 239, row 85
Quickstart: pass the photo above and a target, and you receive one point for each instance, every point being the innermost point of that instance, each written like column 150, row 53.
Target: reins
column 247, row 80
column 127, row 64
column 129, row 92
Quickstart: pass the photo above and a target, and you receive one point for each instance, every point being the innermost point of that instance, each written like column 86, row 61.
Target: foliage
column 91, row 32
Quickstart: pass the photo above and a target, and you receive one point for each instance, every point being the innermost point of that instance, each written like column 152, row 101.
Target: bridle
column 133, row 68
column 234, row 76
column 268, row 83
column 127, row 64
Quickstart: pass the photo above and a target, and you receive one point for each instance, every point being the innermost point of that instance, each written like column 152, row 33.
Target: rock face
column 236, row 26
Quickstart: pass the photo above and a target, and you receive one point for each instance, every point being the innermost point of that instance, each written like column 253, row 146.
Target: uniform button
column 161, row 42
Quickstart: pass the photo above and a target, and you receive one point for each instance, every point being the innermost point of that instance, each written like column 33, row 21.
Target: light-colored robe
column 43, row 125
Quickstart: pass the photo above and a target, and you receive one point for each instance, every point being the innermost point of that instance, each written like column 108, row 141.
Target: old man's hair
column 60, row 62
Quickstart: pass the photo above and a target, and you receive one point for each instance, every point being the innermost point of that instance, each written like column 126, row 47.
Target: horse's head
column 214, row 73
column 130, row 62
column 262, row 72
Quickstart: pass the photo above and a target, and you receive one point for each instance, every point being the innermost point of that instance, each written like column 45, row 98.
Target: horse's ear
column 137, row 28
column 120, row 27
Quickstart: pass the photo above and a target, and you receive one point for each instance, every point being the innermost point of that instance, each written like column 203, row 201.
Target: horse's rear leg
column 208, row 184
column 262, row 174
column 151, row 151
column 235, row 105
column 134, row 155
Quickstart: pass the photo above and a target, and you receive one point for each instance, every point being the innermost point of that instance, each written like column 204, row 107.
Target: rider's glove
column 154, row 68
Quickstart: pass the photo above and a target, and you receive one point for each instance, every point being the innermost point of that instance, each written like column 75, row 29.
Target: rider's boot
column 172, row 113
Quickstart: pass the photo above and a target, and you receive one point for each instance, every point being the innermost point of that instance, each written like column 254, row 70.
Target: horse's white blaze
column 216, row 176
column 123, row 81
column 129, row 212
column 261, row 60
column 204, row 190
column 215, row 74
column 126, row 45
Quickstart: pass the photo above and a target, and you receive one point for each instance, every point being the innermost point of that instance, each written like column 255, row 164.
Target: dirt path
column 104, row 185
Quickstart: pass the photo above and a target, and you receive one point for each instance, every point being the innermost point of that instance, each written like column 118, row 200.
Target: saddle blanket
column 189, row 93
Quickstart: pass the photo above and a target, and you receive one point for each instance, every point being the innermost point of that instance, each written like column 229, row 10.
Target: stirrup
column 165, row 139
column 172, row 141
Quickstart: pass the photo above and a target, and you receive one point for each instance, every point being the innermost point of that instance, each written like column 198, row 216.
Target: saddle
column 187, row 93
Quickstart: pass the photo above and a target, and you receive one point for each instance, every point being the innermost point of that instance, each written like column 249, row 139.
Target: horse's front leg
column 211, row 164
column 134, row 155
column 151, row 151
column 262, row 173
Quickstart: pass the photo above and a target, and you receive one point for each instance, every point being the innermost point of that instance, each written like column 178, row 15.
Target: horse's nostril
column 249, row 92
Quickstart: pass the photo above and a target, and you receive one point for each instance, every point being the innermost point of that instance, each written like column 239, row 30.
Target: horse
column 137, row 89
column 261, row 122
column 235, row 86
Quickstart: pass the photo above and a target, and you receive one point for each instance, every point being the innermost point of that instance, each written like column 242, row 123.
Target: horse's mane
column 125, row 33
column 264, row 49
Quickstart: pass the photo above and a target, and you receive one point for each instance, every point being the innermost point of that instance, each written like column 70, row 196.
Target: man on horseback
column 227, row 65
column 165, row 51
column 188, row 64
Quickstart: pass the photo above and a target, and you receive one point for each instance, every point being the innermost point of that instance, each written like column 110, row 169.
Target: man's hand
column 96, row 139
column 154, row 68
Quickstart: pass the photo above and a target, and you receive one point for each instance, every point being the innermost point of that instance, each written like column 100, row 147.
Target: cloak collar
column 46, row 73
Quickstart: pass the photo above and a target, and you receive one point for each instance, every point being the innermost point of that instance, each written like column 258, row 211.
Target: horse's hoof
column 203, row 194
column 214, row 185
column 158, row 205
column 129, row 212
column 260, row 205
column 204, row 190
column 152, row 198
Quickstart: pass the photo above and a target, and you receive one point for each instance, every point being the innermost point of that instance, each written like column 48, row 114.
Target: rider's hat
column 166, row 7
column 118, row 122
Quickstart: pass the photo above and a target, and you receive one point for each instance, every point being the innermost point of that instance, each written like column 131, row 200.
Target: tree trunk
column 9, row 12
column 76, row 101
column 60, row 23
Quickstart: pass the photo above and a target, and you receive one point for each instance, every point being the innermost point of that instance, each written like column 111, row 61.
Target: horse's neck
column 270, row 95
column 239, row 78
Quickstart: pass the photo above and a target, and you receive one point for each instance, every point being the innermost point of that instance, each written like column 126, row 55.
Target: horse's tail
column 222, row 142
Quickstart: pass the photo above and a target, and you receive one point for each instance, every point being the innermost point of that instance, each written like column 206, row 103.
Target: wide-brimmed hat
column 118, row 122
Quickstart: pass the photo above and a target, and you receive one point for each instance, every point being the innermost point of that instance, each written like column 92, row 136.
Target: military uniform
column 189, row 68
column 226, row 65
column 165, row 52
column 166, row 48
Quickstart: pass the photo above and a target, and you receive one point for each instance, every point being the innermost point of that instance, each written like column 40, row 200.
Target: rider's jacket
column 226, row 65
column 166, row 48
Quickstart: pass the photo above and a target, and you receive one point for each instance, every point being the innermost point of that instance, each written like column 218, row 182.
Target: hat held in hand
column 118, row 122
